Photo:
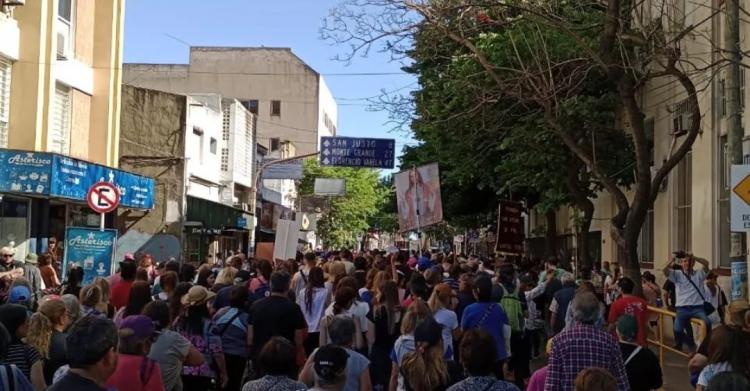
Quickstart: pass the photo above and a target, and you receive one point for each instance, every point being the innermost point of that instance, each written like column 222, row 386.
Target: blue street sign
column 53, row 175
column 357, row 152
column 90, row 249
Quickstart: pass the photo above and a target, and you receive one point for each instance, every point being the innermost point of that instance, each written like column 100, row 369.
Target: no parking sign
column 103, row 197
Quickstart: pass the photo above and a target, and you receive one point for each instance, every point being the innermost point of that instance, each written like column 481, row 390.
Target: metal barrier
column 660, row 332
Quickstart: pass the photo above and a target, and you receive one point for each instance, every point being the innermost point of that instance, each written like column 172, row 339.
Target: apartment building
column 291, row 100
column 200, row 149
column 691, row 212
column 60, row 77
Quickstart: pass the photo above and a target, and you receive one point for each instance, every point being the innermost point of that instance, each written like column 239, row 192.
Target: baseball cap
column 424, row 263
column 627, row 326
column 136, row 326
column 428, row 331
column 330, row 362
column 19, row 294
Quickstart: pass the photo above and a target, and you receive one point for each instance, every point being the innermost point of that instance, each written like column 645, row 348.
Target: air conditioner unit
column 62, row 46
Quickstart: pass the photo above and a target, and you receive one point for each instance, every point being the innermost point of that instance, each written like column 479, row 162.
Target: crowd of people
column 358, row 321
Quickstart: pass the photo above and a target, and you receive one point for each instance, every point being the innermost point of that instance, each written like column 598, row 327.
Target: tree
column 346, row 216
column 632, row 45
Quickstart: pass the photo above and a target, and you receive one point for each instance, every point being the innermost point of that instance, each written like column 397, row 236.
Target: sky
column 161, row 31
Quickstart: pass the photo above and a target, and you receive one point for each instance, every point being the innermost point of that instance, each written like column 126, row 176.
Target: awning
column 54, row 175
column 216, row 217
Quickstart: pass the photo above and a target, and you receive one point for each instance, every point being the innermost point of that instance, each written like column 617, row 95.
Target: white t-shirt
column 449, row 321
column 358, row 311
column 712, row 369
column 686, row 294
column 318, row 306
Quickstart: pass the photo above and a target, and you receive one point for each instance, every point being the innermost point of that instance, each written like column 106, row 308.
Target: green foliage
column 346, row 216
column 489, row 145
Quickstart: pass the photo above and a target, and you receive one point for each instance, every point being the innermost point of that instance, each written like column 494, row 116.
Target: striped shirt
column 23, row 356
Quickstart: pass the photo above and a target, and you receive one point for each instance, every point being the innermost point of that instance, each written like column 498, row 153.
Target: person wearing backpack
column 259, row 287
column 231, row 325
column 440, row 305
column 490, row 317
column 514, row 304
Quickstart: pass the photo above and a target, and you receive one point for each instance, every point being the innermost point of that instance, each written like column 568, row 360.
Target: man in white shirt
column 689, row 295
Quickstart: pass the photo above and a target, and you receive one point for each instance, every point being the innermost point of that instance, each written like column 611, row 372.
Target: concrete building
column 691, row 213
column 60, row 77
column 199, row 148
column 292, row 101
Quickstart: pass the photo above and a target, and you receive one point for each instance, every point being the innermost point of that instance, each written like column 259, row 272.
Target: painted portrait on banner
column 418, row 197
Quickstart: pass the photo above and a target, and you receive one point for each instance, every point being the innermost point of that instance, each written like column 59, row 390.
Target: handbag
column 708, row 308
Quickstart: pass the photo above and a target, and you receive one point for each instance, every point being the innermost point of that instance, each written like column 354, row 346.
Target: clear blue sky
column 279, row 23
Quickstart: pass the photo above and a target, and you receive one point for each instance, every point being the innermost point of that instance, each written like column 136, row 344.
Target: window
column 212, row 146
column 722, row 98
column 276, row 108
column 684, row 202
column 5, row 67
column 225, row 159
column 58, row 137
column 648, row 128
column 226, row 121
column 274, row 144
column 251, row 105
column 65, row 28
column 646, row 240
column 199, row 132
column 65, row 10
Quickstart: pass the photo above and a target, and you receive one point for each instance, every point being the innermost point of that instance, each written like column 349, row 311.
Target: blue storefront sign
column 357, row 152
column 91, row 249
column 53, row 175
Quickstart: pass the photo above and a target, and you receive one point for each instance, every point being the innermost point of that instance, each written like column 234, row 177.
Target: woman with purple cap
column 135, row 371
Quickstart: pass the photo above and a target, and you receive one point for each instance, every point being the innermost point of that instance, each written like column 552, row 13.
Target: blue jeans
column 683, row 331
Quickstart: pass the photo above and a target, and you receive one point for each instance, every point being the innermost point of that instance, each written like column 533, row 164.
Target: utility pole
column 732, row 50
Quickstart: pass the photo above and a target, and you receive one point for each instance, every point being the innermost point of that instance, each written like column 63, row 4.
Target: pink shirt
column 128, row 375
column 536, row 382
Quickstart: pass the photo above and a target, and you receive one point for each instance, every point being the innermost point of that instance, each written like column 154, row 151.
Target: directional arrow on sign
column 326, row 161
column 743, row 189
column 326, row 144
column 326, row 152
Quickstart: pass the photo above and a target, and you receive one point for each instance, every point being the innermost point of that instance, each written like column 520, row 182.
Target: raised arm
column 702, row 261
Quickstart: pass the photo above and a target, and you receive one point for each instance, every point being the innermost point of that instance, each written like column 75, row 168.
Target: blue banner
column 48, row 174
column 90, row 249
column 25, row 172
column 357, row 152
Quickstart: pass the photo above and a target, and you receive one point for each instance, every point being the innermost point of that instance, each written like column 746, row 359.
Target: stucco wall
column 152, row 143
column 263, row 74
column 80, row 123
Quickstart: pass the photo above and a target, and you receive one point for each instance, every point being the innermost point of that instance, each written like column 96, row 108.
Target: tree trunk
column 631, row 267
column 551, row 239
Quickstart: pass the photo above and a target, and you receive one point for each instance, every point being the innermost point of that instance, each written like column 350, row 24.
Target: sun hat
column 31, row 259
column 197, row 295
column 736, row 306
column 330, row 362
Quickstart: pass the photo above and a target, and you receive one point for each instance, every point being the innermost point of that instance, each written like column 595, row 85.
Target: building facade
column 199, row 149
column 60, row 78
column 691, row 212
column 291, row 100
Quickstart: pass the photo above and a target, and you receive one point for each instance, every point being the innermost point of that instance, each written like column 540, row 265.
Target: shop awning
column 215, row 216
column 53, row 175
